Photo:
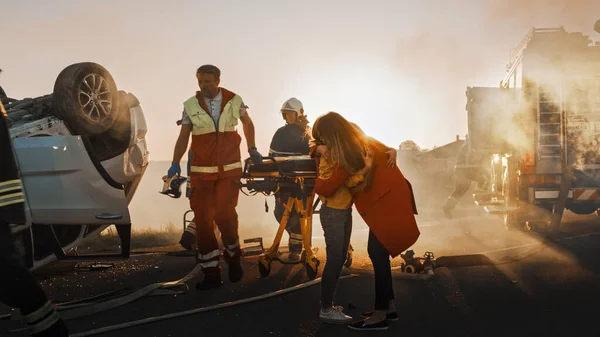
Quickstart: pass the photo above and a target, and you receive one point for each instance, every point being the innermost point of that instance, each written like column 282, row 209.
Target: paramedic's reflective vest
column 216, row 146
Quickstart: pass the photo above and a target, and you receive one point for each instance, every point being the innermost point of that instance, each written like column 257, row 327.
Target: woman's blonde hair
column 345, row 140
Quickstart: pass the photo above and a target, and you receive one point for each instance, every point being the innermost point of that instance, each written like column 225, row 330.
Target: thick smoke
column 445, row 56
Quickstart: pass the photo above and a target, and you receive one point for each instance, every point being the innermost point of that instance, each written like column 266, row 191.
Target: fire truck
column 540, row 131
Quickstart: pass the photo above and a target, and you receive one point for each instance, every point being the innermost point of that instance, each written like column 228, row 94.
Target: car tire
column 85, row 97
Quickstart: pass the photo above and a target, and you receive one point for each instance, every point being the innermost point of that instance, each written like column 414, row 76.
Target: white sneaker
column 335, row 316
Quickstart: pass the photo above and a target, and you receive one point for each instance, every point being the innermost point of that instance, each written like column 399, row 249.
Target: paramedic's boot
column 236, row 272
column 212, row 278
column 294, row 257
column 295, row 252
column 295, row 247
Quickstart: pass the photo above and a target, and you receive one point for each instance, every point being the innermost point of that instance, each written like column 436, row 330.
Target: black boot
column 236, row 272
column 212, row 279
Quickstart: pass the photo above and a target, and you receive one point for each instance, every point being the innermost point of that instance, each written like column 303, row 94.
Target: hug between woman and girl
column 355, row 169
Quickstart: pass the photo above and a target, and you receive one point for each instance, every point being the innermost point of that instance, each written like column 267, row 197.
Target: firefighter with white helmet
column 290, row 140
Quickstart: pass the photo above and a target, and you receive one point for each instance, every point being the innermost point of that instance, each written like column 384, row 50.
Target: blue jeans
column 337, row 227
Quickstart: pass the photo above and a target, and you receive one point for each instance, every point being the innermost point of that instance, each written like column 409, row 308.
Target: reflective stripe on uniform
column 11, row 192
column 211, row 264
column 206, row 257
column 44, row 324
column 191, row 228
column 295, row 238
column 233, row 166
column 233, row 248
column 215, row 169
column 204, row 169
column 40, row 313
column 11, row 199
column 41, row 319
column 10, row 185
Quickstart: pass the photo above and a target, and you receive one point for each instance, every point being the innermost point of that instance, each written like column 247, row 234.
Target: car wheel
column 85, row 97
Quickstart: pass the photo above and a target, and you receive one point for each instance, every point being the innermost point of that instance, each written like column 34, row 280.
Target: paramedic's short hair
column 209, row 69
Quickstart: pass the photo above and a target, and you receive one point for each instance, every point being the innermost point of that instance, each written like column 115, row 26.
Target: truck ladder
column 550, row 121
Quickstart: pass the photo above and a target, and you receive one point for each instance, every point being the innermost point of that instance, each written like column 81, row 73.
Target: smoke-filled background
column 399, row 69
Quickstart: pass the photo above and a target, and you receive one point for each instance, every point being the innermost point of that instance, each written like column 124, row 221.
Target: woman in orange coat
column 384, row 200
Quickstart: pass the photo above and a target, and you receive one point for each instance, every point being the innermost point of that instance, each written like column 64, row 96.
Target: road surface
column 489, row 283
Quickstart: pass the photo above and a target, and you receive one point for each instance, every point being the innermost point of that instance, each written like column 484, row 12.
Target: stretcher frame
column 269, row 183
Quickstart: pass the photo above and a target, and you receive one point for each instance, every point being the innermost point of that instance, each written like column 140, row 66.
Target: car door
column 65, row 185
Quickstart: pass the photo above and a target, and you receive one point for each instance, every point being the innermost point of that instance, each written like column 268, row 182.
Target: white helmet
column 293, row 104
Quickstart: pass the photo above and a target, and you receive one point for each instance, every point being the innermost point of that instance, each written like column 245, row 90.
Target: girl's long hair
column 345, row 140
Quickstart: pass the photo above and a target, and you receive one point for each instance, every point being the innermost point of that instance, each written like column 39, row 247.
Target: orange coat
column 387, row 205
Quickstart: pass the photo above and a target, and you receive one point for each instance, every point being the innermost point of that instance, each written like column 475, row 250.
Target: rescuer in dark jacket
column 290, row 140
column 18, row 288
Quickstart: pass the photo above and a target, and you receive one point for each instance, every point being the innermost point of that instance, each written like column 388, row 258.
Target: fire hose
column 74, row 309
column 202, row 309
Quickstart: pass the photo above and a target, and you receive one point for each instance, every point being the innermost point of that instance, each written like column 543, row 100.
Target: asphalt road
column 489, row 283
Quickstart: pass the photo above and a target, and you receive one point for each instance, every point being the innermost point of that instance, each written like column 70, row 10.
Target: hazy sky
column 397, row 68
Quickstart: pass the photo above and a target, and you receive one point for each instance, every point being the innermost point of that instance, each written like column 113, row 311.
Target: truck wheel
column 85, row 97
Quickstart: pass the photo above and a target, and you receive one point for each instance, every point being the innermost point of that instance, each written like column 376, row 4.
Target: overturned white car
column 81, row 152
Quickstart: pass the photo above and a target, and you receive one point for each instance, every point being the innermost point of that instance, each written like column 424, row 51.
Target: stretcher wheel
column 264, row 270
column 310, row 272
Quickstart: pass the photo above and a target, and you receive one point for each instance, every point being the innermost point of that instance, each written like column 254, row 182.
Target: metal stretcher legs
column 311, row 262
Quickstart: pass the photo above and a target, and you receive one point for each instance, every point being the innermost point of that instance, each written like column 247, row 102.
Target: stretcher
column 295, row 173
column 268, row 177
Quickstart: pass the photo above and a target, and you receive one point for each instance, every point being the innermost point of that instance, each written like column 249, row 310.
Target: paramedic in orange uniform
column 211, row 117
